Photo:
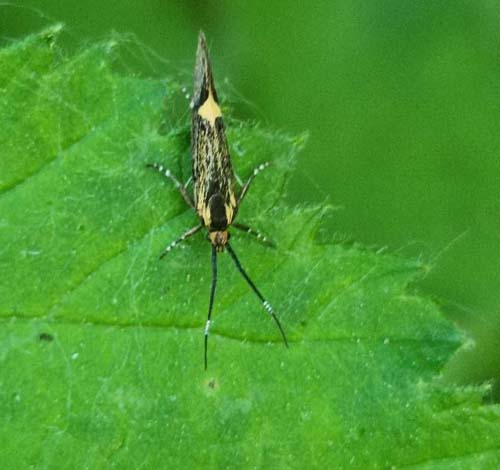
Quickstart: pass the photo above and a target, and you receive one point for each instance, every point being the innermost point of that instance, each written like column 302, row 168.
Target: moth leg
column 256, row 171
column 238, row 179
column 255, row 233
column 185, row 235
column 211, row 303
column 182, row 189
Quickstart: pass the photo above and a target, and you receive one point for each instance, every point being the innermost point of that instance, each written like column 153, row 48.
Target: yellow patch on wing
column 229, row 214
column 210, row 110
column 204, row 211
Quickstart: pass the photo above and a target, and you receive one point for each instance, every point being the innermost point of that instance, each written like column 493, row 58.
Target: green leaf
column 101, row 344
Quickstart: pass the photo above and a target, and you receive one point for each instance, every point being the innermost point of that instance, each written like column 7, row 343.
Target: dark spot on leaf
column 212, row 383
column 45, row 337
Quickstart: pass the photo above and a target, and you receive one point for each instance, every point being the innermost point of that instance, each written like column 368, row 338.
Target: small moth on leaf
column 215, row 200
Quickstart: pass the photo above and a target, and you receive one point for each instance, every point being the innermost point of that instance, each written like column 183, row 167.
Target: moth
column 214, row 197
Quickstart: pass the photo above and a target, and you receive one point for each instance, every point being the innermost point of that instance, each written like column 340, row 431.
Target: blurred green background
column 402, row 102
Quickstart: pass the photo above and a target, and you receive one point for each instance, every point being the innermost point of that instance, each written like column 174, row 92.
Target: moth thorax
column 219, row 239
column 218, row 220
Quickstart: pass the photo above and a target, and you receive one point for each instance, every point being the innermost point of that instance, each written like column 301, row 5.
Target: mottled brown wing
column 213, row 174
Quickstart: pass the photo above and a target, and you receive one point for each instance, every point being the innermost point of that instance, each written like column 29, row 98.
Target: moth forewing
column 213, row 175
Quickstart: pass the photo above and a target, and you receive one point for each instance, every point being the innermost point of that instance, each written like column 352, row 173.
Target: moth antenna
column 265, row 303
column 211, row 302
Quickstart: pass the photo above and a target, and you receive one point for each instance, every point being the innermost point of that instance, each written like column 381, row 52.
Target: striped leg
column 185, row 235
column 238, row 179
column 255, row 233
column 256, row 171
column 182, row 189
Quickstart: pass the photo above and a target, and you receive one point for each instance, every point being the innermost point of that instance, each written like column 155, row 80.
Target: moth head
column 219, row 238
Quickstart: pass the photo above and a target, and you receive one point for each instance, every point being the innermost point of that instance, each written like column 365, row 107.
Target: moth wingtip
column 202, row 50
column 202, row 40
